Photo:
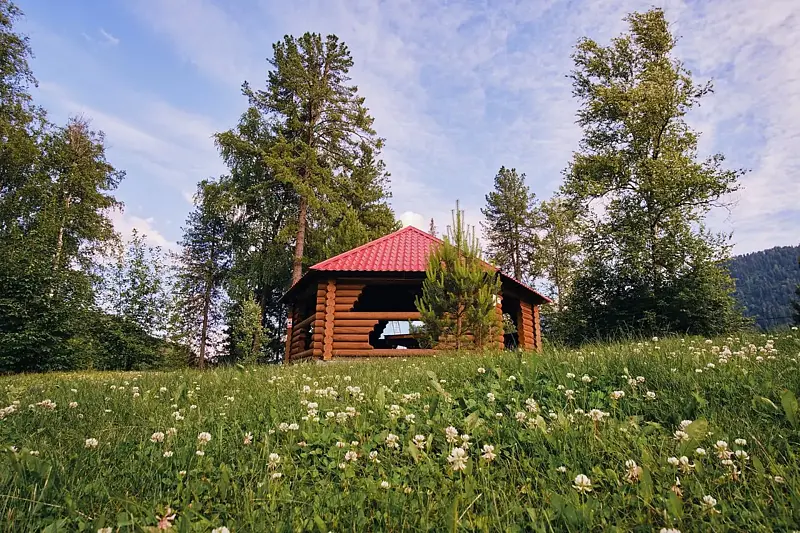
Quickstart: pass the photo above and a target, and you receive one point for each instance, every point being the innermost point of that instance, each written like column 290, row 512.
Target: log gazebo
column 342, row 306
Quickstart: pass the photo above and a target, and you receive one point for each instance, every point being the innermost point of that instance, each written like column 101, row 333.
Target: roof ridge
column 364, row 246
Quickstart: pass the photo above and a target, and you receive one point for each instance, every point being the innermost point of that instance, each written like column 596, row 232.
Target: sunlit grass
column 309, row 447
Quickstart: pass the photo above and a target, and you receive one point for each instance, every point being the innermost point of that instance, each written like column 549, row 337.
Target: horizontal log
column 317, row 337
column 349, row 285
column 340, row 322
column 385, row 353
column 378, row 315
column 303, row 354
column 338, row 330
column 343, row 337
column 352, row 346
column 305, row 322
column 338, row 308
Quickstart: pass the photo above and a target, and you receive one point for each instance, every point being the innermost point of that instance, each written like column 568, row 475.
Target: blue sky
column 457, row 88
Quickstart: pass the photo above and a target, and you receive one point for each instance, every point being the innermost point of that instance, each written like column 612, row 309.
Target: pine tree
column 649, row 248
column 432, row 229
column 202, row 266
column 459, row 291
column 509, row 226
column 322, row 130
column 796, row 303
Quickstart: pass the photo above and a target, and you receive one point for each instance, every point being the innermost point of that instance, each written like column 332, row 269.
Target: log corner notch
column 529, row 329
column 329, row 315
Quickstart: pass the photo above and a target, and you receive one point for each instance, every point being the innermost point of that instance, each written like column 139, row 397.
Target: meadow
column 679, row 434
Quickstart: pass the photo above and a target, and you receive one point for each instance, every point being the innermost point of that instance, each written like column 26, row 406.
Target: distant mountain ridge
column 766, row 283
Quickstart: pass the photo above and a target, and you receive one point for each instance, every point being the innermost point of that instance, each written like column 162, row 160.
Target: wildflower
column 617, row 394
column 562, row 469
column 465, row 441
column 778, row 479
column 341, row 444
column 709, row 502
column 488, row 452
column 741, row 454
column 165, row 522
column 676, row 488
column 392, row 441
column 158, row 436
column 199, row 453
column 650, row 395
column 162, row 390
column 410, row 418
column 451, row 434
column 105, row 530
column 700, row 451
column 47, row 404
column 222, row 529
column 490, row 396
column 686, row 466
column 511, row 378
column 408, row 490
column 673, row 461
column 458, row 459
column 655, row 339
column 192, row 407
column 531, row 405
column 481, row 370
column 182, row 473
column 73, row 405
column 373, row 456
column 722, row 449
column 351, row 456
column 419, row 441
column 384, row 485
column 520, row 416
column 669, row 530
column 582, row 484
column 570, row 375
column 394, row 411
column 740, row 442
column 273, row 461
column 204, row 437
column 570, row 394
column 633, row 471
column 597, row 415
column 91, row 443
column 684, row 424
column 342, row 466
column 283, row 426
column 586, row 378
column 302, row 444
column 171, row 432
column 681, row 435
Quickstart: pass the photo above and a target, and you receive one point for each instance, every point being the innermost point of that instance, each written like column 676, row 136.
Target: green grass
column 126, row 481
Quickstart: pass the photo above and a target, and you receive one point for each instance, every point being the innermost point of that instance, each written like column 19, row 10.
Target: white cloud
column 410, row 218
column 125, row 224
column 110, row 39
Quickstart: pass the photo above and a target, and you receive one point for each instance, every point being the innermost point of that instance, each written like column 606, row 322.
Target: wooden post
column 499, row 307
column 287, row 358
column 537, row 330
column 330, row 306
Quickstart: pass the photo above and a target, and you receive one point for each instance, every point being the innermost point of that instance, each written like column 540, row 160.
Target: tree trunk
column 204, row 330
column 59, row 244
column 297, row 264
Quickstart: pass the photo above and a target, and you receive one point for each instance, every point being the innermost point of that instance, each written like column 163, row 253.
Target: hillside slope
column 765, row 284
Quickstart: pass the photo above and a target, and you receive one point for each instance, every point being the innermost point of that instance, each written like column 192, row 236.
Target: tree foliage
column 460, row 291
column 642, row 193
column 510, row 226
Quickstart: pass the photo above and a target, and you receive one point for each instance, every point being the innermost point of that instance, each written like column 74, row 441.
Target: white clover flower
column 684, row 424
column 204, row 437
column 562, row 469
column 569, row 394
column 650, row 395
column 394, row 411
column 91, row 443
column 457, row 459
column 597, row 415
column 341, row 444
column 200, row 453
column 410, row 417
column 531, row 405
column 488, row 453
column 778, row 479
column 392, row 441
column 351, row 456
column 582, row 484
column 570, row 375
column 293, row 426
column 709, row 501
column 511, row 378
column 681, row 435
column 73, row 405
column 673, row 461
column 669, row 530
column 342, row 466
column 221, row 529
column 171, row 432
column 617, row 394
column 586, row 378
column 373, row 456
column 451, row 434
column 520, row 416
column 633, row 471
column 192, row 407
column 384, row 485
column 273, row 461
column 105, row 530
column 248, row 438
column 158, row 436
column 685, row 465
column 700, row 451
column 741, row 454
column 419, row 441
column 490, row 396
column 740, row 442
column 168, row 453
column 481, row 370
column 276, row 475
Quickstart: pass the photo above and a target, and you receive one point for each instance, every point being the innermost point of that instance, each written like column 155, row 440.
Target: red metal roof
column 405, row 250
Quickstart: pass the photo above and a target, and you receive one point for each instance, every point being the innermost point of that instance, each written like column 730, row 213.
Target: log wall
column 525, row 326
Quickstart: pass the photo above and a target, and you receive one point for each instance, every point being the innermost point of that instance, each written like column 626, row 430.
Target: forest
column 305, row 181
column 766, row 284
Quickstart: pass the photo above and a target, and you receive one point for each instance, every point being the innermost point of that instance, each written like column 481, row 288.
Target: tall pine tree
column 796, row 302
column 509, row 226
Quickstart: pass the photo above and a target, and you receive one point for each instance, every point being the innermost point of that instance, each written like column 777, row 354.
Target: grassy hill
column 613, row 438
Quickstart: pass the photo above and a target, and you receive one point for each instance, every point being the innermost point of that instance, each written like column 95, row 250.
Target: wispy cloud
column 110, row 39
